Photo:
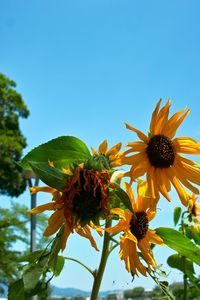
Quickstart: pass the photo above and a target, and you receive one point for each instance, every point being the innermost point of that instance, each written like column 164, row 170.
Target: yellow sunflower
column 112, row 155
column 194, row 212
column 135, row 226
column 80, row 206
column 159, row 156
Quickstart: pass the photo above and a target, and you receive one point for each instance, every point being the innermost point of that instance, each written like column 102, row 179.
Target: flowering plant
column 93, row 191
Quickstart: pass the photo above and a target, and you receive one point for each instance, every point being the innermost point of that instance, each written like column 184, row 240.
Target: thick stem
column 102, row 265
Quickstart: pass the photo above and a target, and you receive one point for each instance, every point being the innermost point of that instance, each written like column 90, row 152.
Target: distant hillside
column 71, row 292
column 68, row 292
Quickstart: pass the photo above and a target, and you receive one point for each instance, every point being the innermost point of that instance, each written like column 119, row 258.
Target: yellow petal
column 154, row 117
column 154, row 238
column 41, row 208
column 66, row 234
column 115, row 149
column 46, row 189
column 103, row 147
column 173, row 124
column 86, row 233
column 162, row 118
column 119, row 227
column 183, row 195
column 55, row 222
column 162, row 182
column 133, row 159
column 137, row 146
column 94, row 151
column 140, row 134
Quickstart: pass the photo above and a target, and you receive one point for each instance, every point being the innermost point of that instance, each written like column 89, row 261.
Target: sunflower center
column 86, row 197
column 86, row 203
column 160, row 151
column 139, row 225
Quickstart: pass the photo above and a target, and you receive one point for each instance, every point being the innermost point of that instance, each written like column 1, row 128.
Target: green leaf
column 177, row 261
column 184, row 265
column 55, row 249
column 33, row 272
column 123, row 196
column 16, row 290
column 177, row 214
column 179, row 243
column 62, row 151
column 59, row 265
column 33, row 256
column 193, row 234
column 50, row 175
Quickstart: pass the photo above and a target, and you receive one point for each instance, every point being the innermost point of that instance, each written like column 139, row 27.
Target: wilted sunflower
column 159, row 156
column 112, row 155
column 135, row 226
column 83, row 202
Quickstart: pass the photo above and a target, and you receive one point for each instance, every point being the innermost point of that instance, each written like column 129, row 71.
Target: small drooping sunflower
column 112, row 155
column 135, row 226
column 194, row 212
column 80, row 206
column 159, row 156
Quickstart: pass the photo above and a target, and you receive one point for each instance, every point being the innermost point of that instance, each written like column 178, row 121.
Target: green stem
column 80, row 263
column 163, row 288
column 104, row 256
column 184, row 264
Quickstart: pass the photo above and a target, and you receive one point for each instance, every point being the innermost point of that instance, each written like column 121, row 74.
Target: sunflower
column 80, row 206
column 159, row 156
column 111, row 156
column 194, row 212
column 135, row 226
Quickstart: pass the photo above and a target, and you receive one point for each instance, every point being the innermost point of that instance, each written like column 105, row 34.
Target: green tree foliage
column 14, row 227
column 136, row 293
column 112, row 296
column 12, row 142
column 178, row 291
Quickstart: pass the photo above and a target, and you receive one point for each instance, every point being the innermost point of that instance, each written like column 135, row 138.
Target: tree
column 137, row 292
column 12, row 142
column 13, row 228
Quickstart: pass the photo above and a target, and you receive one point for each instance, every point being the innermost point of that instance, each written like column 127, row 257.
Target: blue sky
column 85, row 67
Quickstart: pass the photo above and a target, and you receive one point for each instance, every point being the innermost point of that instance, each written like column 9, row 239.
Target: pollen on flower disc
column 160, row 151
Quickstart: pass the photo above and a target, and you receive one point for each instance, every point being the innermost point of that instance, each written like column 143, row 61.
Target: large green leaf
column 180, row 243
column 50, row 175
column 62, row 151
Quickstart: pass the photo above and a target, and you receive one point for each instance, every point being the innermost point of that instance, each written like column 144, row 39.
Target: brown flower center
column 160, row 151
column 86, row 197
column 139, row 225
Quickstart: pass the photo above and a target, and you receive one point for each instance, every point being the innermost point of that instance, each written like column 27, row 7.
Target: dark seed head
column 139, row 225
column 85, row 203
column 160, row 151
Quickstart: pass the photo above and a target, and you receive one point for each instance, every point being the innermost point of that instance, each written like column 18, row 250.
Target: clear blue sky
column 84, row 67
